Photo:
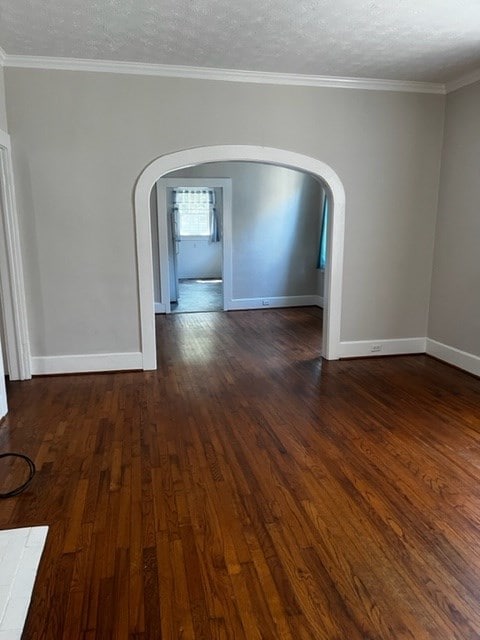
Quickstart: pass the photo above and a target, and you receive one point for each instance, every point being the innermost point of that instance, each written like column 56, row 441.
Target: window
column 195, row 208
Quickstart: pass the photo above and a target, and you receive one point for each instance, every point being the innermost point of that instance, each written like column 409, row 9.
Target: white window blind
column 194, row 209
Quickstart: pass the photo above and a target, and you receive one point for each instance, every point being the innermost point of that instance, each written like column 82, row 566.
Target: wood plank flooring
column 249, row 490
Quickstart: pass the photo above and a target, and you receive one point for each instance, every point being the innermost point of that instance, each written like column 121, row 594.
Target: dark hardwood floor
column 250, row 490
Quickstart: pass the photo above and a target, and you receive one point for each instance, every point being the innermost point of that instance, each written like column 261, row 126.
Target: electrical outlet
column 375, row 348
column 266, row 303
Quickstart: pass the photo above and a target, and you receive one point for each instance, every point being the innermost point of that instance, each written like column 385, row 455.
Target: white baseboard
column 133, row 361
column 274, row 302
column 361, row 348
column 86, row 363
column 159, row 307
column 458, row 358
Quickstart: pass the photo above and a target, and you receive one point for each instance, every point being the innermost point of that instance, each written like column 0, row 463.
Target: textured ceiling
column 429, row 40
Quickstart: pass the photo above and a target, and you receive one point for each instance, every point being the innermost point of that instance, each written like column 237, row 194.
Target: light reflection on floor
column 199, row 295
column 204, row 344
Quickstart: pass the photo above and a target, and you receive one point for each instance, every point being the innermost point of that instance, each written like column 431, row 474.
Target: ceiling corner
column 463, row 81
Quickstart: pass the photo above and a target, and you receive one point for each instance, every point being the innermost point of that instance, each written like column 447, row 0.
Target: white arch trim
column 248, row 153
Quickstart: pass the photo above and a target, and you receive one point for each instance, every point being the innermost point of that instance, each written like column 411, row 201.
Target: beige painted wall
column 455, row 301
column 3, row 108
column 81, row 140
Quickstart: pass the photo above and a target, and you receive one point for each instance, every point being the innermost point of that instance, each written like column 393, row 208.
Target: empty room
column 239, row 320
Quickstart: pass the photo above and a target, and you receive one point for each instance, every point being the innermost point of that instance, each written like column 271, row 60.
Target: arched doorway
column 224, row 153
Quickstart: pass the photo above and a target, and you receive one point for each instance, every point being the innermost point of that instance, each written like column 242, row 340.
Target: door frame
column 12, row 285
column 249, row 153
column 162, row 211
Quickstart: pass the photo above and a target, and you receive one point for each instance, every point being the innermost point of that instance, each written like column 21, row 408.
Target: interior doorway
column 195, row 246
column 168, row 163
column 191, row 248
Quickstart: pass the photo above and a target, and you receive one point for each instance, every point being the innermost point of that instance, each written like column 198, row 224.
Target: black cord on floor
column 22, row 487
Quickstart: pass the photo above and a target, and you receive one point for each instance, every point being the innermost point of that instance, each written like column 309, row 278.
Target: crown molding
column 463, row 81
column 226, row 75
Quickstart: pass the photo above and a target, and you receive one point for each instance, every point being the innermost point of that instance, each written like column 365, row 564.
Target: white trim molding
column 159, row 307
column 233, row 75
column 463, row 81
column 212, row 73
column 399, row 346
column 236, row 304
column 12, row 287
column 462, row 359
column 223, row 153
column 85, row 363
